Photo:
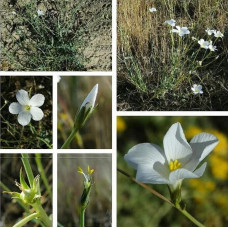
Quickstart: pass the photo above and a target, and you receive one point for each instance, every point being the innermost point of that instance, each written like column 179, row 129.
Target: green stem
column 26, row 219
column 177, row 206
column 190, row 217
column 69, row 139
column 43, row 175
column 42, row 214
column 82, row 218
column 28, row 169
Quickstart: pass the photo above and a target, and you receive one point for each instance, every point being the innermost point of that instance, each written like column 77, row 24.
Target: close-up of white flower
column 218, row 34
column 27, row 108
column 210, row 31
column 40, row 12
column 203, row 44
column 181, row 31
column 179, row 160
column 152, row 9
column 170, row 22
column 197, row 89
column 211, row 47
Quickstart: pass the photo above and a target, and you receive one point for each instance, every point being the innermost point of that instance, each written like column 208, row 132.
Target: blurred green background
column 11, row 210
column 206, row 198
column 97, row 132
column 70, row 188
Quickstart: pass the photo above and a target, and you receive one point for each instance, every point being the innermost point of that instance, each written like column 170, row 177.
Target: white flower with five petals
column 203, row 43
column 197, row 89
column 27, row 108
column 181, row 31
column 178, row 161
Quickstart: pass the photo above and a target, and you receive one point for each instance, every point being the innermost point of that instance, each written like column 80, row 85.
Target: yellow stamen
column 90, row 171
column 80, row 170
column 27, row 107
column 173, row 165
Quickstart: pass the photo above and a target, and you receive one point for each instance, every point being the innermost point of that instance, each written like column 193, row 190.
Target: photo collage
column 113, row 113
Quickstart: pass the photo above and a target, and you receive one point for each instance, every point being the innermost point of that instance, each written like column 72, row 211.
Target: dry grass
column 158, row 75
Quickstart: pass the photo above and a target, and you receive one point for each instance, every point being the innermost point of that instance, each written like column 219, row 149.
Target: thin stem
column 69, row 139
column 26, row 219
column 28, row 169
column 82, row 218
column 178, row 207
column 43, row 175
column 190, row 217
column 42, row 214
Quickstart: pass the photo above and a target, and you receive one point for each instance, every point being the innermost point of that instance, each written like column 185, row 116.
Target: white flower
column 181, row 31
column 203, row 44
column 171, row 22
column 58, row 78
column 178, row 161
column 87, row 176
column 218, row 34
column 27, row 108
column 211, row 47
column 197, row 89
column 152, row 9
column 91, row 98
column 40, row 12
column 210, row 31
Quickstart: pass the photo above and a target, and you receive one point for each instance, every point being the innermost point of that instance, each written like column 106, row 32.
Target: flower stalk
column 175, row 205
column 84, row 112
column 84, row 201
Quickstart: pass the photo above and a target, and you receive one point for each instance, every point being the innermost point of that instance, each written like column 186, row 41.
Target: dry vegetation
column 153, row 74
column 66, row 36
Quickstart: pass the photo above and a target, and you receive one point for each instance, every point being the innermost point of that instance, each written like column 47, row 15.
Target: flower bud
column 86, row 108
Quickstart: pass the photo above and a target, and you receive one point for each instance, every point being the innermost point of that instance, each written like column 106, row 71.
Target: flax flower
column 170, row 22
column 152, row 9
column 197, row 89
column 27, row 108
column 181, row 31
column 178, row 161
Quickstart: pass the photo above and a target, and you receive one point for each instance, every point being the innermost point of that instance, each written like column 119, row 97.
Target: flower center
column 173, row 165
column 27, row 107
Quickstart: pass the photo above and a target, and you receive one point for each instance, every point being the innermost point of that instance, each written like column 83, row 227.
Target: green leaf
column 22, row 181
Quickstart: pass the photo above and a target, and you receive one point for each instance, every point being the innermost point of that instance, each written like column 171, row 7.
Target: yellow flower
column 219, row 167
column 222, row 147
column 121, row 125
column 192, row 131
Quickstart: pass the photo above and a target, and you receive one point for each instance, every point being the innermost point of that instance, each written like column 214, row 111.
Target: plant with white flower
column 40, row 12
column 84, row 201
column 152, row 10
column 197, row 89
column 84, row 112
column 210, row 31
column 27, row 108
column 203, row 43
column 170, row 22
column 178, row 161
column 218, row 34
column 181, row 31
column 212, row 47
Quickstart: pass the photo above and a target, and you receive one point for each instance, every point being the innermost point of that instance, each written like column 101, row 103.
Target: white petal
column 143, row 154
column 37, row 100
column 181, row 174
column 146, row 174
column 37, row 113
column 175, row 144
column 200, row 171
column 24, row 118
column 15, row 108
column 22, row 97
column 91, row 97
column 202, row 145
